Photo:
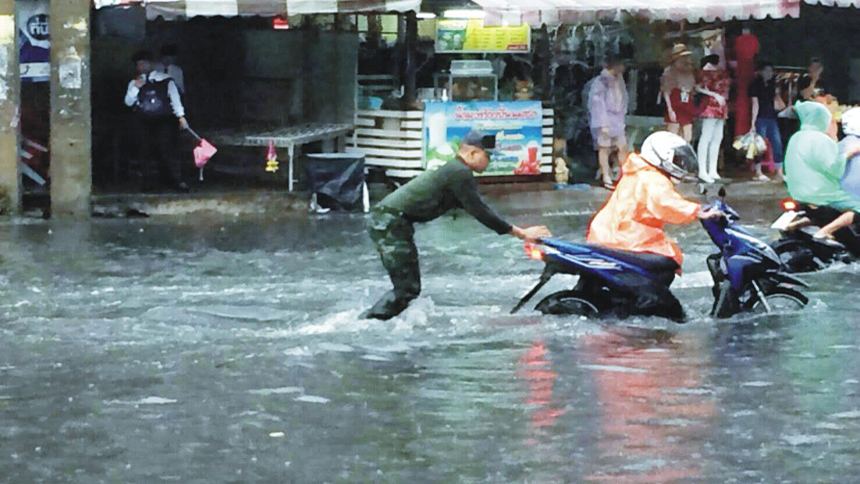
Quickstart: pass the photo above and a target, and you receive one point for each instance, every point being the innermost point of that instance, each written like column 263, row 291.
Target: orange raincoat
column 632, row 219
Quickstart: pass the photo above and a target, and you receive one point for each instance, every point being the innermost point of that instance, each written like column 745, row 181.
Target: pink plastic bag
column 203, row 152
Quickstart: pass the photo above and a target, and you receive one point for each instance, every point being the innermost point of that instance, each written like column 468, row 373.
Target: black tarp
column 337, row 179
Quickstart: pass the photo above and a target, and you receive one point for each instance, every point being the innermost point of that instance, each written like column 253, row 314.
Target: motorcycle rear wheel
column 781, row 299
column 568, row 303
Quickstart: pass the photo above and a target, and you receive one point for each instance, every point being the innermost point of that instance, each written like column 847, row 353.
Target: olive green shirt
column 440, row 189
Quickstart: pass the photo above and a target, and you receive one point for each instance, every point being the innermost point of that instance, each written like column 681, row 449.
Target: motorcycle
column 610, row 281
column 799, row 251
column 747, row 273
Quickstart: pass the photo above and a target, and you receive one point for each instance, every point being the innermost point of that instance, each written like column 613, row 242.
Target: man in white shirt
column 159, row 113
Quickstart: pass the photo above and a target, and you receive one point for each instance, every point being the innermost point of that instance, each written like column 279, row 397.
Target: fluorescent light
column 426, row 15
column 464, row 14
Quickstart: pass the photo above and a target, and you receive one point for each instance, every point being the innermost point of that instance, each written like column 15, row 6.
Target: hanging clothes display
column 746, row 48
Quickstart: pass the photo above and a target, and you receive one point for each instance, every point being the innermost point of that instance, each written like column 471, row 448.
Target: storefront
column 401, row 140
column 464, row 96
column 256, row 73
column 585, row 32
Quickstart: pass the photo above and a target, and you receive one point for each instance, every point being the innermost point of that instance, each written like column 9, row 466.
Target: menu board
column 471, row 36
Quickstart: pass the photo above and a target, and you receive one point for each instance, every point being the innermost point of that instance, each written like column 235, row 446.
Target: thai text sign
column 517, row 126
column 462, row 36
column 34, row 41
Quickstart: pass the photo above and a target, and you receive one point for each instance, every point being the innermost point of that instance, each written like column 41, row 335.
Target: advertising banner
column 34, row 40
column 517, row 126
column 465, row 36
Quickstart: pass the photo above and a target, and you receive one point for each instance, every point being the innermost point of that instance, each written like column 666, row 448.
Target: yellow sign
column 463, row 36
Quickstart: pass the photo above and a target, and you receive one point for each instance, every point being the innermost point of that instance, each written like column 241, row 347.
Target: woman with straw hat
column 678, row 91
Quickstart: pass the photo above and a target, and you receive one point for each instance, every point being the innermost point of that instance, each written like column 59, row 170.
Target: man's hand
column 531, row 234
column 672, row 117
column 604, row 131
column 183, row 124
column 710, row 213
column 139, row 81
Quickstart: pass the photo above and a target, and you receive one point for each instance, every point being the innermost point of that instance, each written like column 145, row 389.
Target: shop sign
column 517, row 125
column 465, row 36
column 34, row 41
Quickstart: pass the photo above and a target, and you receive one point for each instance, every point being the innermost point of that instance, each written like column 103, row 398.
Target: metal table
column 333, row 137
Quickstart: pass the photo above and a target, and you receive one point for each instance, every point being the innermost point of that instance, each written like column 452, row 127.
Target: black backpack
column 153, row 100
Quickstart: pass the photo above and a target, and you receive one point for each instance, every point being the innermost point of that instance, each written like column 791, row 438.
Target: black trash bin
column 337, row 181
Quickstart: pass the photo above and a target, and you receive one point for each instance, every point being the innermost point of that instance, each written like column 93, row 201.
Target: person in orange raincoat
column 644, row 200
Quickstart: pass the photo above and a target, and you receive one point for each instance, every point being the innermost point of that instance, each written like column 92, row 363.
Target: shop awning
column 172, row 9
column 552, row 12
column 834, row 3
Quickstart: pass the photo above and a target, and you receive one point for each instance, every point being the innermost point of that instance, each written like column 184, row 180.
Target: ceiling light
column 464, row 14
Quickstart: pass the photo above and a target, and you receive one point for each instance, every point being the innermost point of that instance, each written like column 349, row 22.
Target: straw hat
column 679, row 51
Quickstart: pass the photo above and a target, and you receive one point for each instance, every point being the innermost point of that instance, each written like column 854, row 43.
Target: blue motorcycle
column 747, row 274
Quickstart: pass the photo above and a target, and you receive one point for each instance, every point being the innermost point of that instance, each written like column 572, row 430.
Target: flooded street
column 229, row 350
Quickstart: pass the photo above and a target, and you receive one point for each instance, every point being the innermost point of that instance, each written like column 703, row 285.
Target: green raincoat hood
column 813, row 164
column 813, row 115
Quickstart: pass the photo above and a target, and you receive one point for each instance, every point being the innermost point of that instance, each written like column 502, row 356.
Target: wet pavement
column 222, row 349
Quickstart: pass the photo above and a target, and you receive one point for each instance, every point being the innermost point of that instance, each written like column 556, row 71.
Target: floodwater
column 229, row 350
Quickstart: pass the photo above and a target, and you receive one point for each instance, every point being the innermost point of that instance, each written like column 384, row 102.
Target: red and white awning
column 834, row 3
column 553, row 12
column 172, row 9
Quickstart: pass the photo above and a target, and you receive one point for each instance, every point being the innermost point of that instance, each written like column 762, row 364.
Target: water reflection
column 656, row 407
column 623, row 405
column 535, row 369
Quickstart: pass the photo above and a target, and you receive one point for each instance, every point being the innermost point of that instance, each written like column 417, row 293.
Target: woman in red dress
column 678, row 90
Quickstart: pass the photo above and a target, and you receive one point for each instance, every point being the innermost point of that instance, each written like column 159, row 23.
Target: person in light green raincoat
column 814, row 167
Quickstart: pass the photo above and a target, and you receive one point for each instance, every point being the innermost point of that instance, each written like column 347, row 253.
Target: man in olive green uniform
column 427, row 197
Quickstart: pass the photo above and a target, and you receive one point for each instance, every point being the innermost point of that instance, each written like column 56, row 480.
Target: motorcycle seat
column 648, row 261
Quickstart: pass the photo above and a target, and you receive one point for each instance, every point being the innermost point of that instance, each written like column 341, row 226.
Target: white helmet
column 851, row 121
column 670, row 154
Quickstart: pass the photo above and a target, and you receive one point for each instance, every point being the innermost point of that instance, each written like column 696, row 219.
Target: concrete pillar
column 410, row 92
column 71, row 122
column 10, row 178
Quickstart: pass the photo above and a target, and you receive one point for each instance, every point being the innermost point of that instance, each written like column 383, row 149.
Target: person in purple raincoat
column 607, row 104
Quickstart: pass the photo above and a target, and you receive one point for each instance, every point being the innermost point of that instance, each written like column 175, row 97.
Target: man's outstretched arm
column 470, row 199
